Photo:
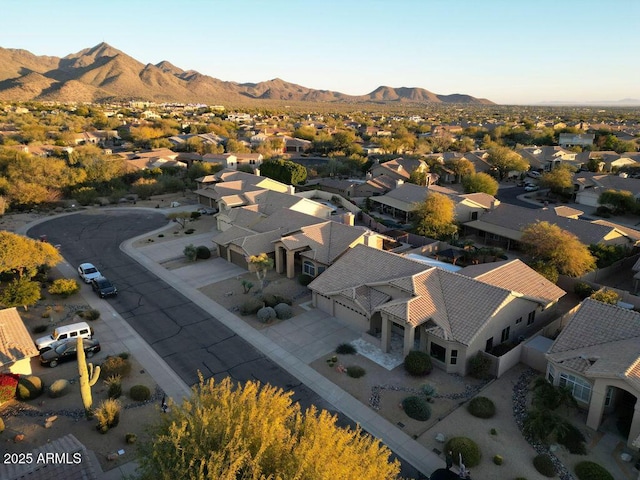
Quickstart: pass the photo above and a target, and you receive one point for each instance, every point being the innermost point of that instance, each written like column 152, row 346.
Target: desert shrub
column 203, row 252
column 40, row 328
column 572, row 439
column 493, row 431
column 8, row 386
column 91, row 314
column 140, row 393
column 304, row 279
column 273, row 299
column 417, row 363
column 428, row 390
column 482, row 407
column 1, row 425
column 592, row 471
column 191, row 252
column 29, row 387
column 113, row 366
column 130, row 438
column 346, row 349
column 189, row 231
column 107, row 414
column 355, row 371
column 59, row 388
column 250, row 306
column 114, row 386
column 124, row 355
column 583, row 290
column 466, row 447
column 195, row 215
column 65, row 287
column 283, row 311
column 266, row 314
column 498, row 460
column 544, row 465
column 417, row 408
column 479, row 366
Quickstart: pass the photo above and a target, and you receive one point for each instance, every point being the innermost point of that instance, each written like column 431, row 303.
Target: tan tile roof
column 15, row 341
column 515, row 276
column 483, row 199
column 606, row 336
column 564, row 211
column 67, row 470
column 632, row 233
column 259, row 242
column 231, row 234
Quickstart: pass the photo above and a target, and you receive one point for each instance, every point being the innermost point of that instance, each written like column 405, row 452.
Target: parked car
column 533, row 174
column 67, row 350
column 207, row 211
column 531, row 188
column 64, row 332
column 103, row 287
column 88, row 272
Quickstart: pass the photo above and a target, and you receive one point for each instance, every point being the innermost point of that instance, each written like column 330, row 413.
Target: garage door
column 238, row 259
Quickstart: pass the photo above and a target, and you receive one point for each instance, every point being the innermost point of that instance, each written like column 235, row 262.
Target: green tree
column 506, row 160
column 22, row 255
column 435, row 217
column 20, row 292
column 251, row 431
column 284, row 171
column 260, row 264
column 548, row 243
column 559, row 180
column 480, row 182
column 621, row 201
column 461, row 167
column 605, row 295
column 181, row 218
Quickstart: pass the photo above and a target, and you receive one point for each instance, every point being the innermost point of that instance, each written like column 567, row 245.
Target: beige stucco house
column 452, row 316
column 597, row 356
column 16, row 345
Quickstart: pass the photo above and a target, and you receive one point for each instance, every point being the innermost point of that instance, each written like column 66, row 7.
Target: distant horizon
column 499, row 50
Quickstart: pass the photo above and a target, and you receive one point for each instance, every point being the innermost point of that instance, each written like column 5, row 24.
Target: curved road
column 187, row 337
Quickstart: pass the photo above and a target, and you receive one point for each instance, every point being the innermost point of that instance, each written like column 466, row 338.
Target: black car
column 67, row 350
column 104, row 287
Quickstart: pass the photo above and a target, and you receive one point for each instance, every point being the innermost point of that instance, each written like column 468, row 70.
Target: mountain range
column 103, row 73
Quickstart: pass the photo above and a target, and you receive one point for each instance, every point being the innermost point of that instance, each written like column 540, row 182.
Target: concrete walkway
column 292, row 345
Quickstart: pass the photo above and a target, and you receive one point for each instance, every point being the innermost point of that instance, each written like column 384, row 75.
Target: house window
column 531, row 317
column 438, row 352
column 454, row 357
column 551, row 374
column 505, row 334
column 309, row 268
column 519, row 320
column 321, row 269
column 580, row 388
column 474, row 215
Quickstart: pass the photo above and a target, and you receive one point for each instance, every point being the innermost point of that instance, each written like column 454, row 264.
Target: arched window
column 309, row 268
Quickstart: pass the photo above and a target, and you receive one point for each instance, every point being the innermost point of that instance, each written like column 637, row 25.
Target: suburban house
column 156, row 158
column 227, row 182
column 234, row 160
column 296, row 145
column 452, row 316
column 597, row 356
column 589, row 186
column 398, row 169
column 401, row 202
column 316, row 247
column 16, row 344
column 478, row 159
column 548, row 157
column 502, row 226
column 356, row 188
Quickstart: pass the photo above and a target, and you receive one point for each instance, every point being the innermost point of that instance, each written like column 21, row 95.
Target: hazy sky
column 509, row 51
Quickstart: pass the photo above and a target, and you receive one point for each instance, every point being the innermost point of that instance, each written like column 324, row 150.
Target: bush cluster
column 544, row 465
column 304, row 279
column 203, row 252
column 8, row 386
column 355, row 371
column 266, row 314
column 250, row 306
column 114, row 386
column 346, row 349
column 65, row 287
column 283, row 311
column 59, row 388
column 115, row 366
column 91, row 314
column 417, row 363
column 140, row 393
column 273, row 299
column 592, row 471
column 482, row 407
column 417, row 408
column 107, row 414
column 479, row 366
column 469, row 449
column 29, row 387
column 583, row 290
column 573, row 439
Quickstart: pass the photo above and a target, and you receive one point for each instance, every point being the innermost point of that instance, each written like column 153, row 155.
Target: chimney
column 257, row 171
column 348, row 219
column 399, row 182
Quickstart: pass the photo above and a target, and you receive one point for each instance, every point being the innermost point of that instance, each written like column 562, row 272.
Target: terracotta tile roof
column 15, row 341
column 84, row 469
column 514, row 275
column 606, row 337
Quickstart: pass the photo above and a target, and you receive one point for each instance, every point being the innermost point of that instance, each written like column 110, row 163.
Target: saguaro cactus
column 88, row 376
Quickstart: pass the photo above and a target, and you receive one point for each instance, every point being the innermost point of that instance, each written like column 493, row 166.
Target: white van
column 64, row 332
